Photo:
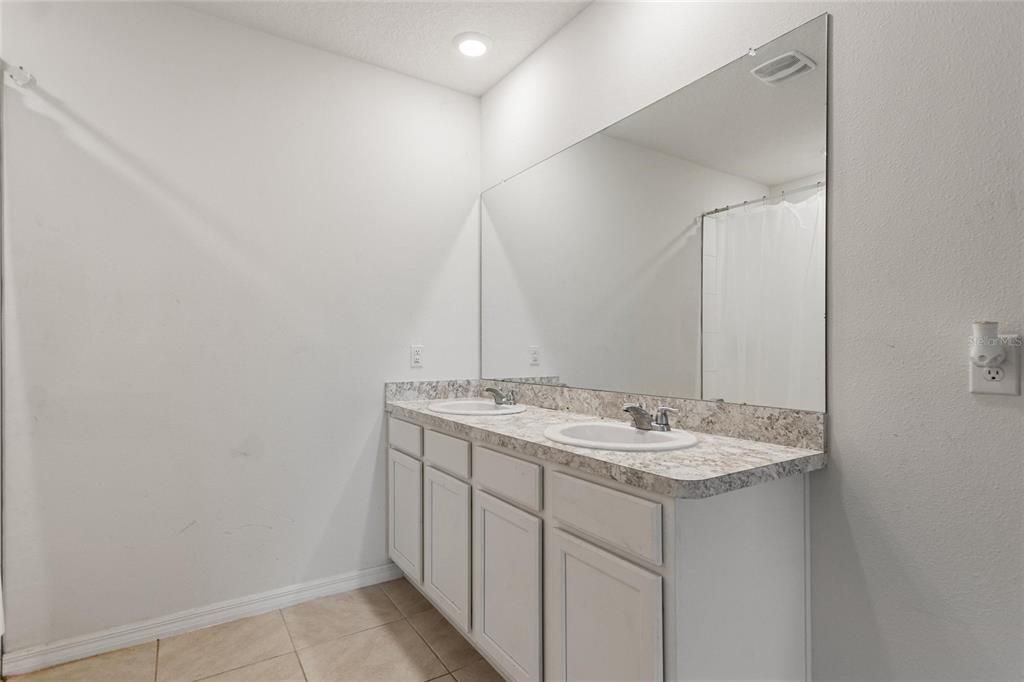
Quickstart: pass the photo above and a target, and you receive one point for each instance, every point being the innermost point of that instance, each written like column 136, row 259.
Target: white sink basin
column 475, row 407
column 613, row 436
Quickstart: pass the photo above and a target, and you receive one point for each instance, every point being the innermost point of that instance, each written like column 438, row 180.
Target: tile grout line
column 241, row 667
column 391, row 599
column 295, row 651
column 347, row 634
column 399, row 608
column 432, row 650
column 400, row 618
column 284, row 623
column 406, row 618
column 418, row 634
column 291, row 640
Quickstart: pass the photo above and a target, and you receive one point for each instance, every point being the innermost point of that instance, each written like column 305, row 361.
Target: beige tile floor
column 384, row 633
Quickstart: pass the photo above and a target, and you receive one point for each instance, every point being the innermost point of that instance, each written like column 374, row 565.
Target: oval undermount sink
column 614, row 436
column 475, row 408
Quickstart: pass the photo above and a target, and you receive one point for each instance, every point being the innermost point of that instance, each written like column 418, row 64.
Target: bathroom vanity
column 677, row 258
column 558, row 562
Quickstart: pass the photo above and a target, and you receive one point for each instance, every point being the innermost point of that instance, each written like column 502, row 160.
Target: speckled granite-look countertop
column 715, row 465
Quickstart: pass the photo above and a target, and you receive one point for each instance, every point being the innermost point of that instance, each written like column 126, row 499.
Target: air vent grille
column 783, row 67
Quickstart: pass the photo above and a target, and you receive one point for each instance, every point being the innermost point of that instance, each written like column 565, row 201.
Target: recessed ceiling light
column 472, row 44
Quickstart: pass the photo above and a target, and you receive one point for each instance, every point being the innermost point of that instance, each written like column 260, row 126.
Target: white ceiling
column 732, row 122
column 414, row 38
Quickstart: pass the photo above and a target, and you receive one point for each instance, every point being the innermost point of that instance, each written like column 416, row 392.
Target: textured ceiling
column 414, row 38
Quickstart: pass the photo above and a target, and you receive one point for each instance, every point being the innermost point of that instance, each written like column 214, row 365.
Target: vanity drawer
column 405, row 437
column 446, row 452
column 629, row 523
column 514, row 479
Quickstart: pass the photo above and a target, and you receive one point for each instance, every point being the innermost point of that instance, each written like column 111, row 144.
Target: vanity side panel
column 740, row 584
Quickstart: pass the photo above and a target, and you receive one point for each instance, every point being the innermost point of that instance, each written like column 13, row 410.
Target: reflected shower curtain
column 764, row 302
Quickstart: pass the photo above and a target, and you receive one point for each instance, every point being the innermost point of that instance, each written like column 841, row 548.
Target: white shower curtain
column 764, row 302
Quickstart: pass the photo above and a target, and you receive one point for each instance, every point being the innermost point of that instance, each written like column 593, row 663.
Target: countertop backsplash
column 794, row 428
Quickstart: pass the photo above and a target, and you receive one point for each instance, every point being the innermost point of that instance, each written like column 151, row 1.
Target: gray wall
column 918, row 563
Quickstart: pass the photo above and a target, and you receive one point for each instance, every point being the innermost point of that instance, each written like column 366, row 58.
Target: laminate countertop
column 715, row 465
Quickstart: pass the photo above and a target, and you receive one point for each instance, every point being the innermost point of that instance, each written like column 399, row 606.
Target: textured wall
column 918, row 550
column 219, row 246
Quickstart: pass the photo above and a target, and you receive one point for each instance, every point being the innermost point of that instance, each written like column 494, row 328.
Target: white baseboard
column 44, row 656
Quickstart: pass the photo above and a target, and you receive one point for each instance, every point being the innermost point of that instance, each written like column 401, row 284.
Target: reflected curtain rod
column 764, row 197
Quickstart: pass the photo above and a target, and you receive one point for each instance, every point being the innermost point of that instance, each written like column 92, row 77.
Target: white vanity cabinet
column 605, row 614
column 556, row 574
column 507, row 575
column 405, row 513
column 446, row 544
column 405, row 497
column 618, row 635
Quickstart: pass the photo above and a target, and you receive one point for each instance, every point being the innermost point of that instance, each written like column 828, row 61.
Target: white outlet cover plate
column 415, row 356
column 1010, row 383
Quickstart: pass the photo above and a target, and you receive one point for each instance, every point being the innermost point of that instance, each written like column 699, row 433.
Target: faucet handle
column 661, row 417
column 626, row 407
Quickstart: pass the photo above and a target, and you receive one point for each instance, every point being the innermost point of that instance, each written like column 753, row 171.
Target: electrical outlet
column 534, row 356
column 1003, row 379
column 415, row 356
column 994, row 374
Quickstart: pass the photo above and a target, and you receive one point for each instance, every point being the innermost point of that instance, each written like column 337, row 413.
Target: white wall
column 219, row 246
column 590, row 249
column 917, row 542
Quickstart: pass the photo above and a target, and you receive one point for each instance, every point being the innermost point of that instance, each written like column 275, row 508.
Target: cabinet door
column 507, row 586
column 605, row 615
column 405, row 509
column 446, row 513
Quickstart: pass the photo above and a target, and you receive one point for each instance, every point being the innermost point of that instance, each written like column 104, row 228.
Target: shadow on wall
column 450, row 275
column 589, row 251
column 119, row 374
column 227, row 248
column 371, row 465
column 60, row 400
column 840, row 552
column 213, row 268
column 258, row 274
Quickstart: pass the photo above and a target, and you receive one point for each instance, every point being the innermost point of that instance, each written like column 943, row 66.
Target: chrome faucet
column 502, row 398
column 645, row 421
column 662, row 422
column 642, row 419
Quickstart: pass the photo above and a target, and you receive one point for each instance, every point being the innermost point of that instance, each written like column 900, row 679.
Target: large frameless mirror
column 679, row 252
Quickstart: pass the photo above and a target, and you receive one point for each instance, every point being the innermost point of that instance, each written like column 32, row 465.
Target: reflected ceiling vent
column 783, row 67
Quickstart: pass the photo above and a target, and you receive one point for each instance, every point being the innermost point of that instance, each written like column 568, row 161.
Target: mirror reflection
column 679, row 252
